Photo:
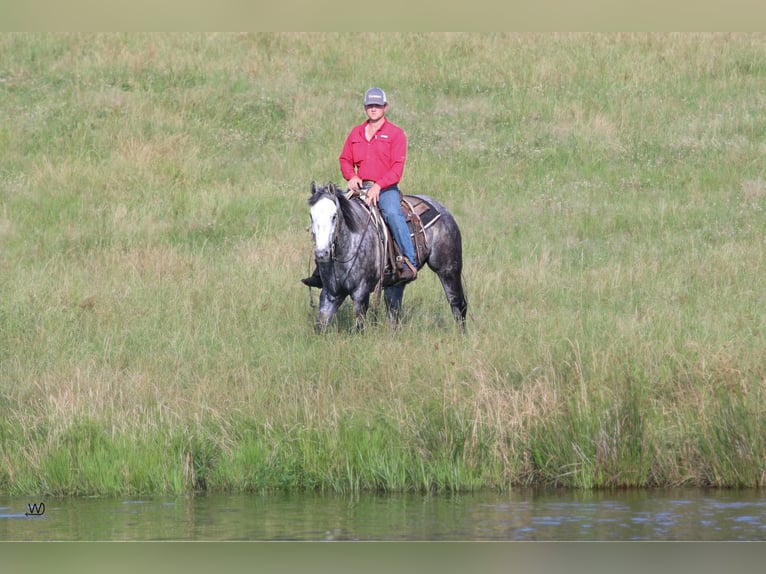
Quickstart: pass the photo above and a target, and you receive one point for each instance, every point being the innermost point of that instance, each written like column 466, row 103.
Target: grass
column 154, row 337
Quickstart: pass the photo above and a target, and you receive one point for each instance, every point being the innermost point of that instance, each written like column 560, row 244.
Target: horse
column 350, row 252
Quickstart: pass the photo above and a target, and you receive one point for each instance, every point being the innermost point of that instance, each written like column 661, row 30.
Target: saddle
column 419, row 215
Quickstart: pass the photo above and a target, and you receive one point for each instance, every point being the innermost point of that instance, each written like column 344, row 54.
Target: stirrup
column 406, row 271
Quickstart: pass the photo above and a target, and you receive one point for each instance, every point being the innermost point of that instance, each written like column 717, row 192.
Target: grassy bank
column 154, row 337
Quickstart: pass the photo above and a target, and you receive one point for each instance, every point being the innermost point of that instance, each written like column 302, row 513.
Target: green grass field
column 155, row 338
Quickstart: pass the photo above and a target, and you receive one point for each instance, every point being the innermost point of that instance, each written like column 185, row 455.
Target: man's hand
column 372, row 195
column 355, row 183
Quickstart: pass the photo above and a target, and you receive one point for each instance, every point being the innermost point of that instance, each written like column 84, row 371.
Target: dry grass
column 155, row 338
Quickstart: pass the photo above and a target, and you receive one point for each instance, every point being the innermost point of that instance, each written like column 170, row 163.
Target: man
column 373, row 158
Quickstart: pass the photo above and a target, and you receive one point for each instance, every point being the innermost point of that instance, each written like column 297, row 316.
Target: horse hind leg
column 453, row 289
column 393, row 296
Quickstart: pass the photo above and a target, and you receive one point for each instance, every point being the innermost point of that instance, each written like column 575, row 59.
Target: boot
column 407, row 271
column 314, row 280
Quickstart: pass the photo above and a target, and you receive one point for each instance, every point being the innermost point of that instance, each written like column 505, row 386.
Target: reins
column 377, row 220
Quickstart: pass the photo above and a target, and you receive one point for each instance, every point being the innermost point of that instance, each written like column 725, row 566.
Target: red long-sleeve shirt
column 380, row 160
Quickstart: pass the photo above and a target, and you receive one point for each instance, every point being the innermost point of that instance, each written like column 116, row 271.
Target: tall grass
column 154, row 337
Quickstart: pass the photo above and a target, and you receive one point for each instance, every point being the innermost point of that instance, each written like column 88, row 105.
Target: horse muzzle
column 323, row 255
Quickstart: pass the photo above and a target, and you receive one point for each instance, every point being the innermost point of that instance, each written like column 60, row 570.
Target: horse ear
column 313, row 187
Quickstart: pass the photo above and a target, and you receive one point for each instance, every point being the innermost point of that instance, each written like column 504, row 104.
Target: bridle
column 336, row 234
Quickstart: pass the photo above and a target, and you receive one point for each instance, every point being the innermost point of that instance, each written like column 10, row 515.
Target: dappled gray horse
column 351, row 255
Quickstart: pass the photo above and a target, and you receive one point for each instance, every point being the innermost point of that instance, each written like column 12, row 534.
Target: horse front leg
column 361, row 304
column 328, row 307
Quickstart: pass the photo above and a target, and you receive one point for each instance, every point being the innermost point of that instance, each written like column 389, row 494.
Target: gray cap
column 375, row 96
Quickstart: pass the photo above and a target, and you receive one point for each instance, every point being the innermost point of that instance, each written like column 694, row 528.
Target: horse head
column 324, row 210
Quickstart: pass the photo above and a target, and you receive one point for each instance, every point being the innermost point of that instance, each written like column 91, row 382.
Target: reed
column 154, row 337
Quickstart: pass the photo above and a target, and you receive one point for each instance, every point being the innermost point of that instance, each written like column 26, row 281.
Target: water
column 680, row 515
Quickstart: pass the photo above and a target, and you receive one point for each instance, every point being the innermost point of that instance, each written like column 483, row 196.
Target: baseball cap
column 375, row 96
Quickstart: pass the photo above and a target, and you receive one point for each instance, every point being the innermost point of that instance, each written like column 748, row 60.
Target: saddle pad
column 427, row 213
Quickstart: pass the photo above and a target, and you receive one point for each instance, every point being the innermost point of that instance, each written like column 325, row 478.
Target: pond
column 519, row 515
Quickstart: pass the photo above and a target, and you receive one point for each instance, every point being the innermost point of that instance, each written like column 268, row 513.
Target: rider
column 373, row 158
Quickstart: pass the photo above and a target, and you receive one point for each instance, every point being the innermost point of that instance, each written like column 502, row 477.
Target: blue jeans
column 388, row 202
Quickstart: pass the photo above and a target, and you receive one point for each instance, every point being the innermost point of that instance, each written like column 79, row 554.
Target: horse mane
column 346, row 208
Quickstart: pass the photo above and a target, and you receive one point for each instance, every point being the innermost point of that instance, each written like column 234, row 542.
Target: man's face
column 375, row 111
